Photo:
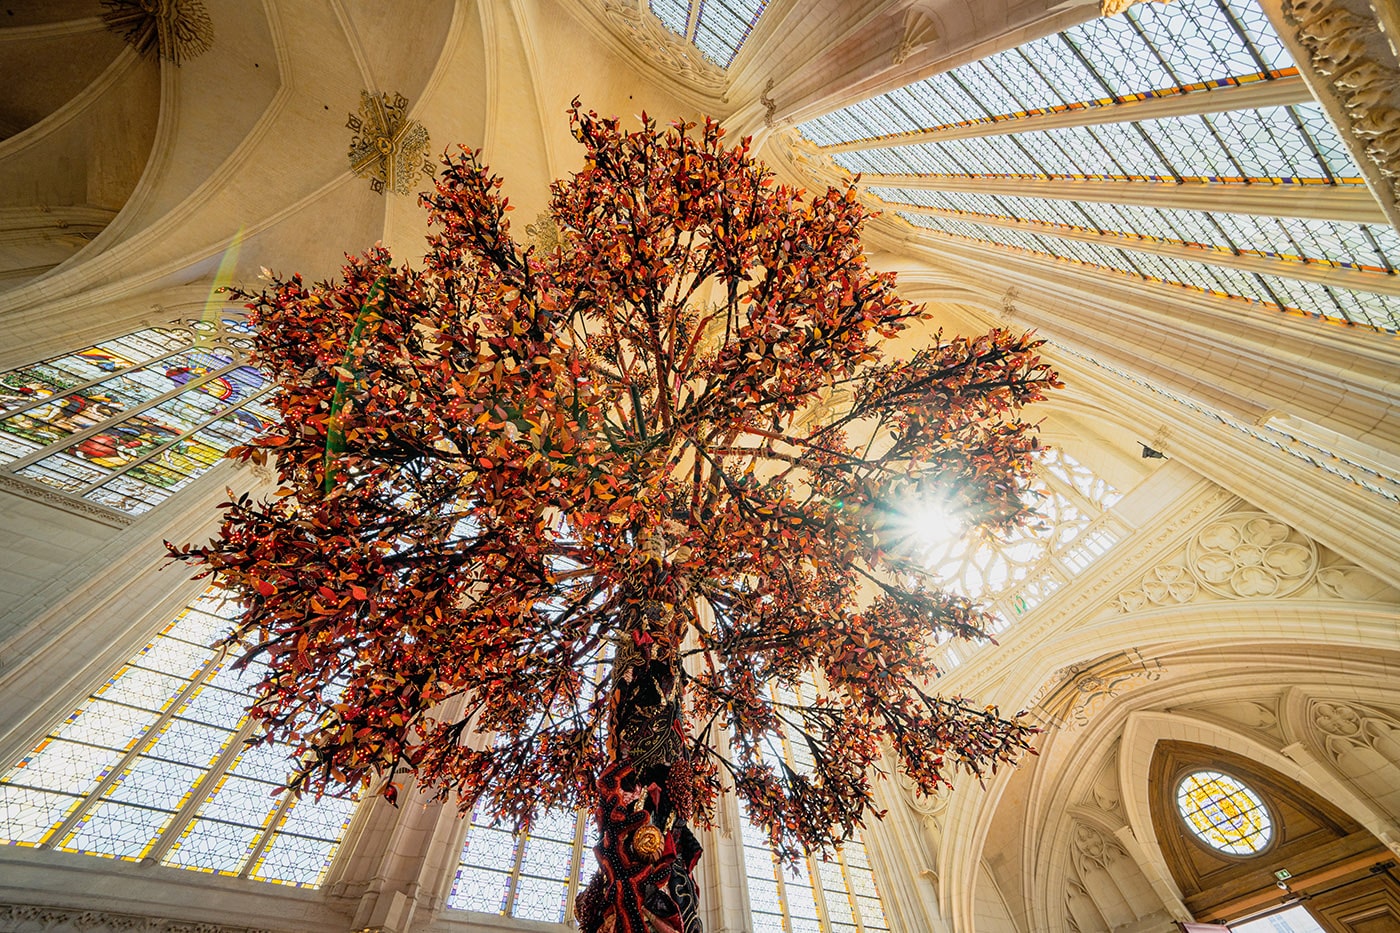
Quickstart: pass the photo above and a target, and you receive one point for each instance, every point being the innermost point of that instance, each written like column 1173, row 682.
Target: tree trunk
column 646, row 851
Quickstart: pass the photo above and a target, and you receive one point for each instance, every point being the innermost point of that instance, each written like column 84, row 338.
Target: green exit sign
column 1283, row 874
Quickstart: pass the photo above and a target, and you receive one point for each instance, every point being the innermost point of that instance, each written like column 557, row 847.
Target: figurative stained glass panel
column 154, row 765
column 1224, row 813
column 129, row 422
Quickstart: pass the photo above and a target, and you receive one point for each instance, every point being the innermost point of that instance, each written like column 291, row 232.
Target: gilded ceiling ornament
column 1114, row 7
column 168, row 29
column 543, row 232
column 388, row 148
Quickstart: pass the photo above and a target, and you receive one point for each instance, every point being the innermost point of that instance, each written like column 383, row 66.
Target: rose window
column 1224, row 813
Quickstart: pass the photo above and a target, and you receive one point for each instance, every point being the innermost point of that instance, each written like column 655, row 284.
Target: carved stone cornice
column 24, row 918
column 631, row 24
column 1353, row 55
column 38, row 492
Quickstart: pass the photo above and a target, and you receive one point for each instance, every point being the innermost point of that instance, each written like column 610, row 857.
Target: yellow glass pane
column 1224, row 813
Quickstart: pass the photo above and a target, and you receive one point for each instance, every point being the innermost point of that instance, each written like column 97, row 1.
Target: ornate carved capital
column 1346, row 46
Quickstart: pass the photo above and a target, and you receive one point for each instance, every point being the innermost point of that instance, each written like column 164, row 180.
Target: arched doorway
column 1245, row 842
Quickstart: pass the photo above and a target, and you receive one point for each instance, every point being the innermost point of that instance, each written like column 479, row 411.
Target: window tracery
column 154, row 765
column 130, row 421
column 1016, row 573
column 530, row 876
column 718, row 28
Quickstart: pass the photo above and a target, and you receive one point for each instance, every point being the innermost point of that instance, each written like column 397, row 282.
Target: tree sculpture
column 596, row 503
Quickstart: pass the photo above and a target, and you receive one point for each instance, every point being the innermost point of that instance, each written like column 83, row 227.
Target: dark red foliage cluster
column 510, row 477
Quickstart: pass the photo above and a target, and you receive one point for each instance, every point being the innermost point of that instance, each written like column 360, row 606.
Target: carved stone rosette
column 1250, row 555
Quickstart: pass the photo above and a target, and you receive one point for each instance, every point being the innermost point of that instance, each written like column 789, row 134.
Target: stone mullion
column 212, row 776
column 1253, row 95
column 1322, row 273
column 1346, row 203
column 265, row 837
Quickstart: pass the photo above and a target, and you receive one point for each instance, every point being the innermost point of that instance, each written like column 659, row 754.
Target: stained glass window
column 1016, row 573
column 1193, row 47
column 131, row 421
column 154, row 765
column 1224, row 813
column 533, row 876
column 717, row 27
column 835, row 894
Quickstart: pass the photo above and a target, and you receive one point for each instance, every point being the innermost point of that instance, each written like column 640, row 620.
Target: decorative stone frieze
column 21, row 918
column 41, row 493
column 1075, row 694
column 1250, row 555
column 1345, row 46
column 639, row 27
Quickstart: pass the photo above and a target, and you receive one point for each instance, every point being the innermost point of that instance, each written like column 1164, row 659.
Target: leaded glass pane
column 1150, row 51
column 1224, row 812
column 528, row 877
column 294, row 860
column 721, row 26
column 130, row 421
column 117, row 773
column 674, row 14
